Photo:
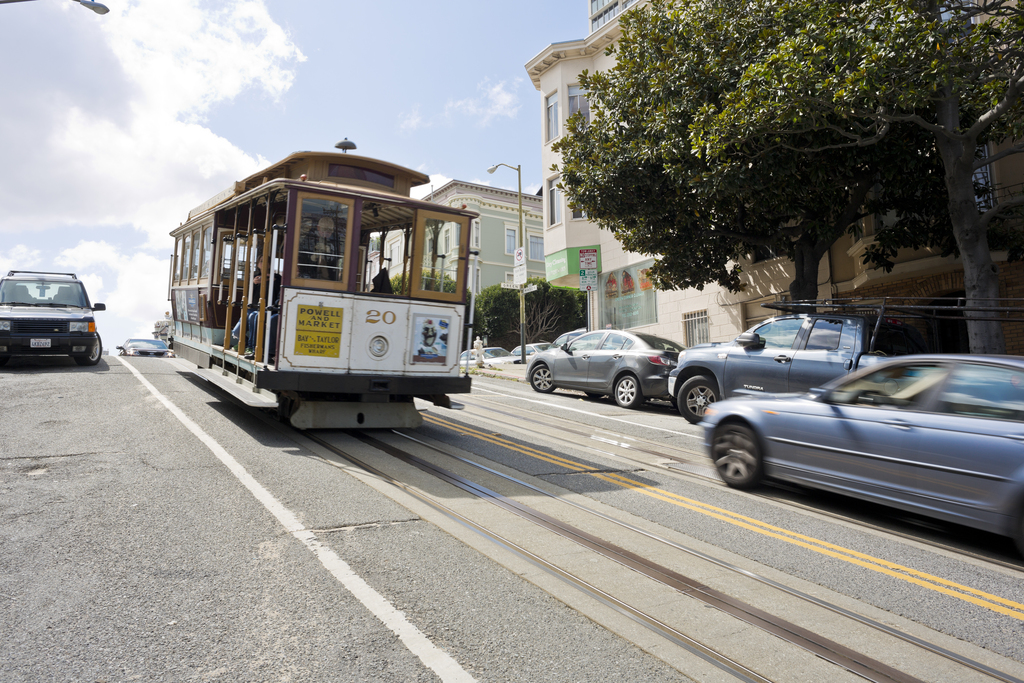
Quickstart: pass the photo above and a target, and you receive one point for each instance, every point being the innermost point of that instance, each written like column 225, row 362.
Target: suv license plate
column 40, row 343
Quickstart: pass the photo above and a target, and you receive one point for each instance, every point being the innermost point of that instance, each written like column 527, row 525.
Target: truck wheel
column 540, row 379
column 1018, row 535
column 94, row 356
column 737, row 456
column 696, row 394
column 627, row 392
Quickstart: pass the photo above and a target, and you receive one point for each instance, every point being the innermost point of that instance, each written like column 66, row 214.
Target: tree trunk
column 981, row 275
column 807, row 255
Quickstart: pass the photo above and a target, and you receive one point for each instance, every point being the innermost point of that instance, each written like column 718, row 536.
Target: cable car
column 319, row 288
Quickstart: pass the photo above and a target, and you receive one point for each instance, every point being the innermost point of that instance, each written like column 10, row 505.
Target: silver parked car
column 630, row 367
column 531, row 349
column 941, row 436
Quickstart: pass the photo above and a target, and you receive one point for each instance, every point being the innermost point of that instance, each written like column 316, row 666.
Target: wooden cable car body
column 363, row 304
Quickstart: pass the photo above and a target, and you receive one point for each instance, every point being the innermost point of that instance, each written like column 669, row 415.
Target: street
column 154, row 530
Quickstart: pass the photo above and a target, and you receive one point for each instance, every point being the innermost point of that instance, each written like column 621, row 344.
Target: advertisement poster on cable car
column 318, row 331
column 430, row 338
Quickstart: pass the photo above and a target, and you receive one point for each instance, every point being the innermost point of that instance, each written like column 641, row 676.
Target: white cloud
column 19, row 257
column 496, row 101
column 116, row 131
column 411, row 121
column 437, row 181
column 138, row 296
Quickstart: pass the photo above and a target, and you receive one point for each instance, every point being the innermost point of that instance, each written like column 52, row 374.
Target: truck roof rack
column 931, row 308
column 36, row 272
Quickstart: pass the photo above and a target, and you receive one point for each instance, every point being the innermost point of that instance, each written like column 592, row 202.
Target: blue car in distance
column 937, row 435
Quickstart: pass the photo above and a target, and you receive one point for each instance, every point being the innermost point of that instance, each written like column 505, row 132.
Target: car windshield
column 495, row 353
column 42, row 293
column 147, row 344
column 539, row 347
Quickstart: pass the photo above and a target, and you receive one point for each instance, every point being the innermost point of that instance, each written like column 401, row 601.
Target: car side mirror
column 565, row 347
column 119, row 348
column 99, row 307
column 750, row 340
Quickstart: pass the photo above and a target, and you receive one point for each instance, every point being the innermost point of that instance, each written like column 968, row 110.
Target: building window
column 554, row 202
column 696, row 328
column 447, row 241
column 578, row 103
column 509, row 277
column 552, row 117
column 983, row 182
column 510, row 240
column 762, row 253
column 604, row 17
column 476, row 234
column 536, row 248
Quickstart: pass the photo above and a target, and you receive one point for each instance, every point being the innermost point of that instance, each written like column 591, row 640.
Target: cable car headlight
column 379, row 347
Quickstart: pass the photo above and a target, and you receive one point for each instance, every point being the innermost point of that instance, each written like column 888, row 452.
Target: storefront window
column 628, row 297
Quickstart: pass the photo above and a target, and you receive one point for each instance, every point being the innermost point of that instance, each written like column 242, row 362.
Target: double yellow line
column 897, row 571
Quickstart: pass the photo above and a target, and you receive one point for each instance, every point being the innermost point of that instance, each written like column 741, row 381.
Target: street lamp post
column 522, row 245
column 96, row 7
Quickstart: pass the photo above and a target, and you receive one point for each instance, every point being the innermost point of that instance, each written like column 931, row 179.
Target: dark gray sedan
column 630, row 367
column 942, row 436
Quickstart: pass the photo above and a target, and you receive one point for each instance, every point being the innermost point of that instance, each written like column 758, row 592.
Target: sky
column 114, row 126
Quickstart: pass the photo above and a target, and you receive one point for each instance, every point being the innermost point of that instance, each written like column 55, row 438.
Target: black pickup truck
column 788, row 353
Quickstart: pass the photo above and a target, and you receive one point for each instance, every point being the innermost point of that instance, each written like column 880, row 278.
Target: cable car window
column 195, row 257
column 323, row 227
column 440, row 267
column 186, row 251
column 207, row 252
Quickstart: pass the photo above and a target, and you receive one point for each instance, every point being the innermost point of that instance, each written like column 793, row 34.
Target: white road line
column 436, row 659
column 587, row 412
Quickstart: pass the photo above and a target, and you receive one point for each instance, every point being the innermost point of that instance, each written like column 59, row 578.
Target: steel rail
column 1006, row 564
column 840, row 655
column 695, row 647
column 889, row 630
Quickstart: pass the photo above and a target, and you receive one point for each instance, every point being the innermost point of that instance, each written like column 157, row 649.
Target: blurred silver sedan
column 531, row 349
column 941, row 436
column 631, row 367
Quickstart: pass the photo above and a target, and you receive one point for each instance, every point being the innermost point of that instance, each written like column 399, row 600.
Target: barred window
column 696, row 328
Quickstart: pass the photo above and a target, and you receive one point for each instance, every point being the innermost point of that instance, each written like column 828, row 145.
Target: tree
column 857, row 71
column 637, row 170
column 549, row 312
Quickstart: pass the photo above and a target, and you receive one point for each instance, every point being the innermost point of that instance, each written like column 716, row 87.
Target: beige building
column 624, row 299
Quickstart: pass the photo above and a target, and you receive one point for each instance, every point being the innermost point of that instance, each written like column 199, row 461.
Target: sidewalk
column 509, row 371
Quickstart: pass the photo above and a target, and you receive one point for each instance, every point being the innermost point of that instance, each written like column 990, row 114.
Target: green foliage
column 856, row 73
column 549, row 312
column 645, row 169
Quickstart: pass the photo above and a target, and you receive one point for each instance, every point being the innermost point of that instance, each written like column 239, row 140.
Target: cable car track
column 686, row 466
column 831, row 651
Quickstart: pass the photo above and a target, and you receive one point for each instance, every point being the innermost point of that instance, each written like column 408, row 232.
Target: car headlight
column 82, row 327
column 5, row 325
